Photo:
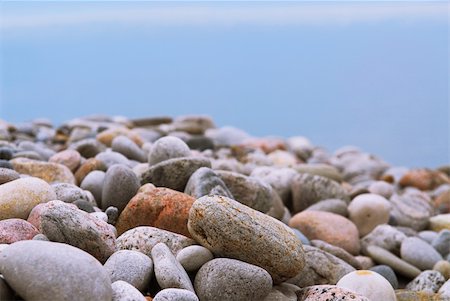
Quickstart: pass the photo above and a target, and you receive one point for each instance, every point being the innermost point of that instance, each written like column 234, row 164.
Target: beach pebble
column 336, row 251
column 444, row 291
column 411, row 210
column 205, row 181
column 123, row 291
column 93, row 182
column 200, row 143
column 173, row 173
column 443, row 267
column 175, row 294
column 132, row 267
column 49, row 172
column 193, row 257
column 106, row 137
column 365, row 262
column 163, row 208
column 88, row 166
column 110, row 158
column 231, row 279
column 427, row 235
column 120, row 185
column 328, row 293
column 331, row 205
column 369, row 284
column 309, row 189
column 227, row 136
column 18, row 197
column 440, row 222
column 367, row 211
column 88, row 148
column 168, row 147
column 112, row 213
column 301, row 236
column 384, row 236
column 428, row 281
column 423, row 179
column 381, row 188
column 69, row 157
column 15, row 229
column 400, row 266
column 329, row 227
column 62, row 222
column 143, row 239
column 388, row 273
column 168, row 271
column 40, row 237
column 64, row 272
column 69, row 193
column 128, row 148
column 8, row 175
column 419, row 253
column 442, row 242
column 214, row 222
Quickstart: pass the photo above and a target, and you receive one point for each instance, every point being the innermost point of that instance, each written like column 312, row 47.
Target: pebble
column 49, row 172
column 41, row 237
column 214, row 222
column 442, row 242
column 128, row 148
column 173, row 173
column 444, row 291
column 227, row 136
column 365, row 262
column 231, row 279
column 106, row 137
column 388, row 273
column 112, row 214
column 168, row 271
column 123, row 291
column 384, row 236
column 329, row 227
column 205, row 181
column 301, row 236
column 144, row 238
column 163, row 208
column 72, row 273
column 8, row 175
column 18, row 197
column 69, row 193
column 132, row 267
column 369, row 284
column 336, row 251
column 400, row 266
column 88, row 148
column 166, row 148
column 411, row 210
column 110, row 158
column 200, row 143
column 69, row 157
column 6, row 153
column 440, row 222
column 381, row 188
column 193, row 257
column 423, row 179
column 119, row 186
column 328, row 293
column 331, row 205
column 443, row 267
column 6, row 164
column 62, row 222
column 427, row 281
column 15, row 229
column 283, row 292
column 175, row 294
column 367, row 211
column 88, row 166
column 93, row 182
column 309, row 189
column 427, row 235
column 321, row 267
column 419, row 253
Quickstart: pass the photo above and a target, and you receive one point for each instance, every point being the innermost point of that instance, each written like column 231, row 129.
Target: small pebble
column 193, row 257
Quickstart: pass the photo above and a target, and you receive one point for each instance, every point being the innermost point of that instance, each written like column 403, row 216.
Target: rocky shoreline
column 160, row 208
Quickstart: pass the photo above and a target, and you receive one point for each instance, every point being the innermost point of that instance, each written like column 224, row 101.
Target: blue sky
column 371, row 74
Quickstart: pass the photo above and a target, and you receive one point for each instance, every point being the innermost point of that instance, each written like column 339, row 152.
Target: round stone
column 87, row 167
column 84, row 205
column 64, row 272
column 338, row 252
column 427, row 282
column 120, row 185
column 388, row 273
column 231, row 279
column 128, row 148
column 132, row 267
column 8, row 175
column 168, row 147
column 205, row 181
column 428, row 236
column 332, row 205
column 69, row 193
column 329, row 227
column 123, row 291
column 443, row 267
column 175, row 294
column 15, row 229
column 18, row 197
column 193, row 257
column 93, row 182
column 385, row 236
column 369, row 284
column 88, row 148
column 442, row 242
column 367, row 211
column 217, row 223
column 440, row 222
column 49, row 172
column 419, row 253
column 411, row 209
column 381, row 188
column 328, row 293
column 163, row 208
column 110, row 158
column 423, row 179
column 69, row 157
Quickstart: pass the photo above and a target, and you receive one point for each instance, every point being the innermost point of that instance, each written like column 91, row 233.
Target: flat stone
column 8, row 175
column 218, row 224
column 328, row 293
column 400, row 266
column 120, row 185
column 18, row 197
column 173, row 173
column 166, row 148
column 321, row 268
column 329, row 227
column 132, row 267
column 231, row 279
column 411, row 210
column 15, row 229
column 205, row 181
column 331, row 205
column 144, row 238
column 336, row 251
column 193, row 257
column 175, row 294
column 163, row 208
column 384, row 236
column 427, row 281
column 49, row 172
column 323, row 170
column 168, row 271
column 419, row 253
column 369, row 284
column 123, row 291
column 72, row 273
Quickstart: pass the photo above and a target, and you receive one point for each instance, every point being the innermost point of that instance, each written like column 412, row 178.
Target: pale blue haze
column 380, row 83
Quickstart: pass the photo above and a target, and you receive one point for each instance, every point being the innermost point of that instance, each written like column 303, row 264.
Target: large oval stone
column 47, row 171
column 56, row 271
column 18, row 197
column 230, row 229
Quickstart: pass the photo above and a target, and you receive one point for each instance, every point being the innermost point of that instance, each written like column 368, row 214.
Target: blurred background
column 370, row 74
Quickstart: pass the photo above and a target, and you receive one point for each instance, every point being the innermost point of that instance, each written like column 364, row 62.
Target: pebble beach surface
column 159, row 208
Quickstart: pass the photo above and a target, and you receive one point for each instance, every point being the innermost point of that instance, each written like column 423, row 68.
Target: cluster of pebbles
column 110, row 208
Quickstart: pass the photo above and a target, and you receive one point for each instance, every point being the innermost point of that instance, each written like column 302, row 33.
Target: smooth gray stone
column 193, row 257
column 205, row 181
column 128, row 148
column 419, row 253
column 166, row 148
column 121, row 184
column 175, row 294
column 388, row 273
column 442, row 242
column 123, row 291
column 93, row 182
